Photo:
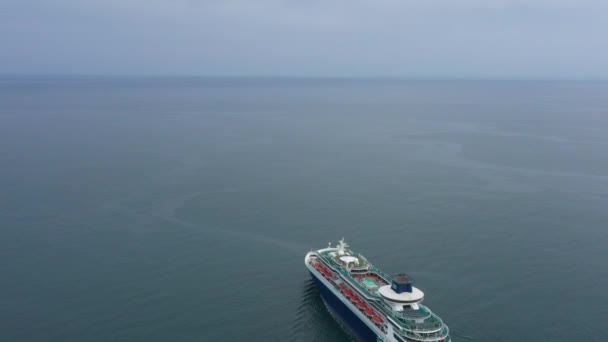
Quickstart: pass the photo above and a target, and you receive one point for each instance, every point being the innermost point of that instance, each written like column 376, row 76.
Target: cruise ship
column 375, row 306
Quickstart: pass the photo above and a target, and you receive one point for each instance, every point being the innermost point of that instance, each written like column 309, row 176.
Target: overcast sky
column 397, row 38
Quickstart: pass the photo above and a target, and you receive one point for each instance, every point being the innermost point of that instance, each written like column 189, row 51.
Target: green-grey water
column 180, row 209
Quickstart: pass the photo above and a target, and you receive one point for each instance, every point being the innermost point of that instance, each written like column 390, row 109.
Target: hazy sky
column 401, row 38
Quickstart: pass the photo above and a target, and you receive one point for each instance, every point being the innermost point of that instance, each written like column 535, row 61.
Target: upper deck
column 412, row 321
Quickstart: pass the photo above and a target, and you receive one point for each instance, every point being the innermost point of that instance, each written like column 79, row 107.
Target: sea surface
column 180, row 209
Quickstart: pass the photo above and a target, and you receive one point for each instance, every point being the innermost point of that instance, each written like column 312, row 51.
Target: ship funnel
column 401, row 283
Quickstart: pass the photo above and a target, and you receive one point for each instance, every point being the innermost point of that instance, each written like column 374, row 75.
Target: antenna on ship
column 342, row 247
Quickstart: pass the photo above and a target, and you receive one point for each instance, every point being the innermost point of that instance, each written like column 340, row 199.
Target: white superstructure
column 390, row 307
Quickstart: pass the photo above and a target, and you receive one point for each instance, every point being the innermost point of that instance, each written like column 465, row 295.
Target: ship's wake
column 315, row 320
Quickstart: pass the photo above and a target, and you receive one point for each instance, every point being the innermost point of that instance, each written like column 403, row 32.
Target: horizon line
column 309, row 77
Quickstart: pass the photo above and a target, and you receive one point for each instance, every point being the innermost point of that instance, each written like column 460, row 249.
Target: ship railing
column 363, row 289
column 328, row 259
column 421, row 313
column 386, row 277
column 443, row 333
column 432, row 322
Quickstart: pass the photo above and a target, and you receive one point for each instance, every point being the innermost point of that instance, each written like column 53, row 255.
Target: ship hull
column 361, row 331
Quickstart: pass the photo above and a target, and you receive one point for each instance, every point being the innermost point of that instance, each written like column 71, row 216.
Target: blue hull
column 361, row 331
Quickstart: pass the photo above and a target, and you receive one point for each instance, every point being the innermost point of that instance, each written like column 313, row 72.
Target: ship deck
column 366, row 281
column 370, row 281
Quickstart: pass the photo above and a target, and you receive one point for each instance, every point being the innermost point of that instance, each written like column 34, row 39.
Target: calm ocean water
column 159, row 209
